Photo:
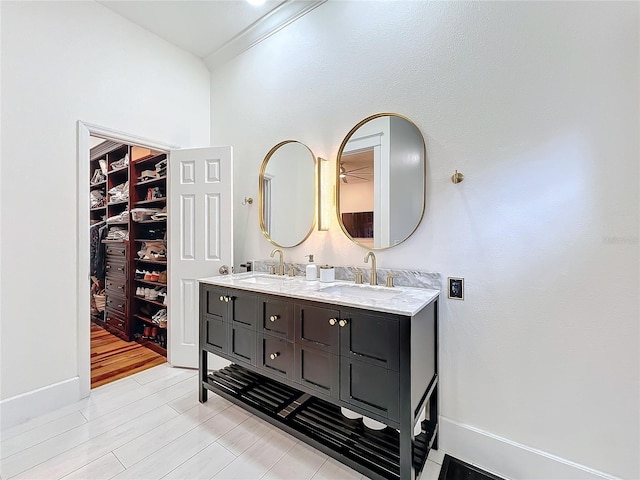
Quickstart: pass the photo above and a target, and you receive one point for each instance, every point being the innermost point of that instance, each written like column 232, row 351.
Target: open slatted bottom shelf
column 310, row 418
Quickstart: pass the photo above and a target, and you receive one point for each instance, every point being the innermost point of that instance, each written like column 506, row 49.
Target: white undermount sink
column 361, row 291
column 264, row 279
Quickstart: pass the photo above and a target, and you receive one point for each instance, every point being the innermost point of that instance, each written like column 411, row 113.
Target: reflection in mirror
column 381, row 181
column 288, row 194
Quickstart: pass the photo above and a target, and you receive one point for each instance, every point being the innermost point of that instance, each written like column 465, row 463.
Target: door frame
column 83, row 327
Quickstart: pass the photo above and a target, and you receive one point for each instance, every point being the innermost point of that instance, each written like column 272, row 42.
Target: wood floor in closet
column 113, row 358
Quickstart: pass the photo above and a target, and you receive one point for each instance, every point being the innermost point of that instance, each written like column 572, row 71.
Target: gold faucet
column 281, row 266
column 374, row 274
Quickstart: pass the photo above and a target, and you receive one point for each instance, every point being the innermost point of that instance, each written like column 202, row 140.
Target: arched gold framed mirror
column 287, row 194
column 381, row 181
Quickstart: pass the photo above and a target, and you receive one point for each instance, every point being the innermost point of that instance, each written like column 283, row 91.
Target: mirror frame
column 263, row 169
column 337, row 177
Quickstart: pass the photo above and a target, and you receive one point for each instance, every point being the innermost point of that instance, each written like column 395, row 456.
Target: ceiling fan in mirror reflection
column 357, row 167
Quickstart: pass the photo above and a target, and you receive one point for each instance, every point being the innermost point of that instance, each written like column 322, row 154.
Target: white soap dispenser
column 312, row 269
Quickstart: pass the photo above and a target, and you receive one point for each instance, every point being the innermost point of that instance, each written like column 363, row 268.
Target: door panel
column 371, row 338
column 215, row 335
column 200, row 233
column 242, row 344
column 317, row 369
column 244, row 308
column 318, row 328
column 370, row 387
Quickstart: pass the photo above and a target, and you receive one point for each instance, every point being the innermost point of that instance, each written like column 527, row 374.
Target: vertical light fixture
column 325, row 194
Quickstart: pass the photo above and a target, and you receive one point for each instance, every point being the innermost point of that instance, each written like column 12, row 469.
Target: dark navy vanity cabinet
column 296, row 362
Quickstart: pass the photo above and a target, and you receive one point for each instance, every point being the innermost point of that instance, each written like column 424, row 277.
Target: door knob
column 332, row 321
column 273, row 318
column 273, row 356
column 342, row 323
column 223, row 270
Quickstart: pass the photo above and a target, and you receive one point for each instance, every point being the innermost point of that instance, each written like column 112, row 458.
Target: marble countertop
column 399, row 300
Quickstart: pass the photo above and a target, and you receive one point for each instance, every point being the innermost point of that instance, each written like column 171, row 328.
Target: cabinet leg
column 202, row 375
column 433, row 415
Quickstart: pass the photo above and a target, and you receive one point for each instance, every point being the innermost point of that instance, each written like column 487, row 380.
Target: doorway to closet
column 128, row 251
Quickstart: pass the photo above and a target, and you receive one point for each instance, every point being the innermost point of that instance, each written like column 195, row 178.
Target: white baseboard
column 506, row 458
column 18, row 409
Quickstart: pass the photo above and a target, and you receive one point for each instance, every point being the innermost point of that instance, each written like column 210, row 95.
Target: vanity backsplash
column 405, row 278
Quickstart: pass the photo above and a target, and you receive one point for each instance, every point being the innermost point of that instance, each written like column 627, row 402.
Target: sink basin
column 362, row 291
column 264, row 279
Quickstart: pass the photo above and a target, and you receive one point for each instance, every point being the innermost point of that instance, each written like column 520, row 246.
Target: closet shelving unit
column 148, row 193
column 97, row 214
column 127, row 314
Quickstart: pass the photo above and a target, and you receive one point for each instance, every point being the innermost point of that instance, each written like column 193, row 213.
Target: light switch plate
column 456, row 288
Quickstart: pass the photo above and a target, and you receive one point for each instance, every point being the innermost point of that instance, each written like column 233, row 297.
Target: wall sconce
column 325, row 197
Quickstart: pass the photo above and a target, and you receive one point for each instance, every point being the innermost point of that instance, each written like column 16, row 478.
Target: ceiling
column 213, row 30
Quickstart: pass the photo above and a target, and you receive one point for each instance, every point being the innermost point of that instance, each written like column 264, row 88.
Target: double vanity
column 303, row 352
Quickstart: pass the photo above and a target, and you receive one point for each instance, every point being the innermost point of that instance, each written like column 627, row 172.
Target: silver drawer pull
column 332, row 321
column 273, row 318
column 273, row 356
column 342, row 323
column 222, row 298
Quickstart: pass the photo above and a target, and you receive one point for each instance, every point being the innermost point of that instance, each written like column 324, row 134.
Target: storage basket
column 100, row 298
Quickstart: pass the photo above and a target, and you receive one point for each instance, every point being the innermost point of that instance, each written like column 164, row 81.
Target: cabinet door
column 317, row 369
column 275, row 355
column 277, row 318
column 318, row 328
column 214, row 302
column 370, row 338
column 244, row 308
column 242, row 344
column 214, row 335
column 370, row 387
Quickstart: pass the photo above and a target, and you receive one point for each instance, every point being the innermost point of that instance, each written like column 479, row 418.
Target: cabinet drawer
column 116, row 267
column 116, row 251
column 115, row 319
column 116, row 303
column 116, row 285
column 244, row 309
column 373, row 388
column 371, row 338
column 275, row 355
column 242, row 344
column 317, row 369
column 318, row 327
column 214, row 336
column 277, row 318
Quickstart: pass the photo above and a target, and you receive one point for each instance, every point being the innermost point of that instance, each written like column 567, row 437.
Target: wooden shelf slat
column 155, row 262
column 153, row 302
column 151, row 181
column 157, row 284
column 155, row 200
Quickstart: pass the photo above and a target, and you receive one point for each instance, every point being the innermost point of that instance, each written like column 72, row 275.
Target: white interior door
column 200, row 239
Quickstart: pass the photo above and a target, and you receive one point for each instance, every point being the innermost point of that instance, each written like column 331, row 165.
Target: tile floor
column 150, row 426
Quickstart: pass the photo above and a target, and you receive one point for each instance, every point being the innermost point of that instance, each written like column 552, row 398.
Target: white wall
column 63, row 62
column 536, row 103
